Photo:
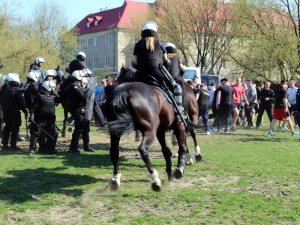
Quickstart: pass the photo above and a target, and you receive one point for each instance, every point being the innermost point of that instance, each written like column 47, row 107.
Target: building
column 106, row 36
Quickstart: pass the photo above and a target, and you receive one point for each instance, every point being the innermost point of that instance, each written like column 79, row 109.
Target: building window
column 107, row 61
column 96, row 23
column 228, row 26
column 95, row 42
column 84, row 43
column 95, row 62
column 88, row 25
column 107, row 40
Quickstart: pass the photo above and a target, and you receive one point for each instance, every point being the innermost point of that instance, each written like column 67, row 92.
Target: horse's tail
column 122, row 121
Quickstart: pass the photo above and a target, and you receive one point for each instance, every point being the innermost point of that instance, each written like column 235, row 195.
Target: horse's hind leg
column 198, row 155
column 180, row 134
column 114, row 156
column 166, row 152
column 148, row 138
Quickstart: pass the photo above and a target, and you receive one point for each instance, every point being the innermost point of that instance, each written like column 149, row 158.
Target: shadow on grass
column 27, row 185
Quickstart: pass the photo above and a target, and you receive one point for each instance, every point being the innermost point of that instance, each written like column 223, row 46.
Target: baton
column 43, row 130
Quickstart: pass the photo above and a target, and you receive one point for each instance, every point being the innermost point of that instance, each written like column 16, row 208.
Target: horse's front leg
column 148, row 137
column 166, row 152
column 114, row 156
column 180, row 134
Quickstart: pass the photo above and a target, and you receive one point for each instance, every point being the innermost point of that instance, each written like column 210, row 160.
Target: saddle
column 152, row 81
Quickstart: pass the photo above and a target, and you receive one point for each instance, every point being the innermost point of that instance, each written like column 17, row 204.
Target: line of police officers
column 39, row 97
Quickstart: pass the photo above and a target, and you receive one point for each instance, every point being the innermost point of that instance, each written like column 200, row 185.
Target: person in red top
column 239, row 95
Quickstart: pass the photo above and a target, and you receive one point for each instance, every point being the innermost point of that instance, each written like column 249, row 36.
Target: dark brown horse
column 136, row 105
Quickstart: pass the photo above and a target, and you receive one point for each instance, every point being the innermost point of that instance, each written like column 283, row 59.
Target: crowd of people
column 237, row 104
column 37, row 99
column 232, row 104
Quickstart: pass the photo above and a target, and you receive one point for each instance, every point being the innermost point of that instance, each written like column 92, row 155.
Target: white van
column 190, row 72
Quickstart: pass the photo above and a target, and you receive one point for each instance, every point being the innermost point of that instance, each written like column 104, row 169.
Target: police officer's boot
column 178, row 99
column 75, row 142
column 86, row 142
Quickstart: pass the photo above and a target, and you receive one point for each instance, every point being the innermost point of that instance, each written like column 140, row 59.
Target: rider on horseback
column 176, row 69
column 149, row 55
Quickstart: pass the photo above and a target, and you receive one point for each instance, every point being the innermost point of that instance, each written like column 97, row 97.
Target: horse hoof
column 170, row 177
column 70, row 129
column 115, row 182
column 114, row 185
column 178, row 173
column 155, row 187
column 198, row 157
column 155, row 181
column 63, row 134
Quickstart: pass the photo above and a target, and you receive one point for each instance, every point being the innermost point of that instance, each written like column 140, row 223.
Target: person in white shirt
column 291, row 94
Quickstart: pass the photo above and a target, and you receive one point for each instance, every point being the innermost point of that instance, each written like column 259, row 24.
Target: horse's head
column 126, row 75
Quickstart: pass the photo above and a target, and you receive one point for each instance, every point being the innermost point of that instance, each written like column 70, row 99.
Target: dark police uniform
column 43, row 114
column 31, row 90
column 12, row 102
column 298, row 107
column 78, row 96
column 147, row 61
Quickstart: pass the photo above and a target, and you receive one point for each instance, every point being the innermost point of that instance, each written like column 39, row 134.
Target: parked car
column 190, row 72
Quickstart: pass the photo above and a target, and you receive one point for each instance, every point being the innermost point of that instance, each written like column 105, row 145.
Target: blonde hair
column 150, row 43
column 171, row 55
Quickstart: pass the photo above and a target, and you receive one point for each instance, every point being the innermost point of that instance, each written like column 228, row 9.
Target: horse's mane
column 126, row 75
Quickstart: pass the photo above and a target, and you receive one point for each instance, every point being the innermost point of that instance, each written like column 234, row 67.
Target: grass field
column 244, row 178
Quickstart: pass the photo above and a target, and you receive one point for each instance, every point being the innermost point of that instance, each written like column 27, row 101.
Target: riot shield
column 92, row 81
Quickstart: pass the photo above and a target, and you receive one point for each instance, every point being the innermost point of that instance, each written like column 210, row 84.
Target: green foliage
column 44, row 35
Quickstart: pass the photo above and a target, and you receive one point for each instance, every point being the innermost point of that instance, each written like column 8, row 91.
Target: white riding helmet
column 47, row 85
column 77, row 74
column 149, row 29
column 33, row 76
column 81, row 56
column 48, row 73
column 39, row 60
column 13, row 77
column 170, row 47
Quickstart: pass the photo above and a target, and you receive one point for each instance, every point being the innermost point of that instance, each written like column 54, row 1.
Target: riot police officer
column 12, row 102
column 42, row 118
column 37, row 65
column 31, row 88
column 78, row 98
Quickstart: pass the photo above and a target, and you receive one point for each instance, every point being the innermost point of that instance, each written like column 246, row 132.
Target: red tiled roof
column 120, row 17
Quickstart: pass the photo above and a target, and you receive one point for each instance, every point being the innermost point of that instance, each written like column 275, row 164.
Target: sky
column 75, row 9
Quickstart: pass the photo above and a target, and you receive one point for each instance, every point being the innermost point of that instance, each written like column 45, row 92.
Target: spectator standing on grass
column 223, row 104
column 265, row 103
column 292, row 94
column 100, row 97
column 202, row 97
column 251, row 96
column 281, row 110
column 239, row 95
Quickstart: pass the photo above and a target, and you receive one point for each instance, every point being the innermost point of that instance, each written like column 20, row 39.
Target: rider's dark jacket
column 148, row 61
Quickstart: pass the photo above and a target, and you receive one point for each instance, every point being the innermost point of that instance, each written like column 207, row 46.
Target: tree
column 200, row 29
column 266, row 46
column 46, row 35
